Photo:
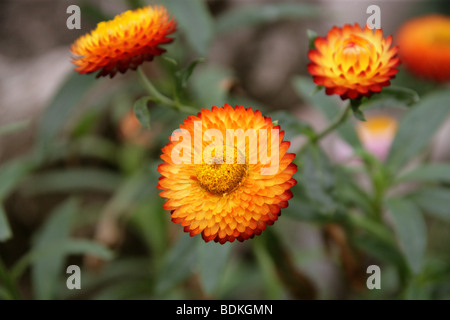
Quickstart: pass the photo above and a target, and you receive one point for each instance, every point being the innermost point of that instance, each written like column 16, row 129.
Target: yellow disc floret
column 221, row 175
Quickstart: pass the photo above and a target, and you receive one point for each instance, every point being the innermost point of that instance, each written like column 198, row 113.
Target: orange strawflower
column 226, row 189
column 353, row 62
column 424, row 46
column 124, row 42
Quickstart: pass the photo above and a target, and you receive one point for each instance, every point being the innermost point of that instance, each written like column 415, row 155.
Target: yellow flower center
column 354, row 52
column 222, row 174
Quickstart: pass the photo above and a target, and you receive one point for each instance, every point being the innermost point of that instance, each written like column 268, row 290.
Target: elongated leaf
column 178, row 264
column 141, row 111
column 63, row 248
column 385, row 252
column 273, row 285
column 89, row 147
column 11, row 174
column 434, row 172
column 211, row 265
column 184, row 74
column 411, row 231
column 417, row 128
column 257, row 14
column 63, row 104
column 5, row 229
column 13, row 127
column 328, row 105
column 46, row 272
column 72, row 180
column 434, row 200
column 195, row 21
column 291, row 125
column 391, row 96
column 374, row 228
column 319, row 181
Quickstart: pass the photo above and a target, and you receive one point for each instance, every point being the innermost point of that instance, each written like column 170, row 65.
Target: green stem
column 162, row 98
column 333, row 125
column 8, row 282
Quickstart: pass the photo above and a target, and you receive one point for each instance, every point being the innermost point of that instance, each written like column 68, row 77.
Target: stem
column 8, row 281
column 336, row 123
column 152, row 90
column 162, row 98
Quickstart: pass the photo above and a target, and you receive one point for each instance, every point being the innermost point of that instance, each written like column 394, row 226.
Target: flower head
column 377, row 133
column 235, row 175
column 424, row 46
column 353, row 62
column 124, row 42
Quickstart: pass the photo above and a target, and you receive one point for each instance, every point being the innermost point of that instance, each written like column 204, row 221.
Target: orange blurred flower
column 352, row 62
column 225, row 194
column 424, row 46
column 124, row 42
column 377, row 133
column 132, row 131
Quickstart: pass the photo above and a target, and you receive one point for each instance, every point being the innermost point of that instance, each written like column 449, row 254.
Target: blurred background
column 78, row 170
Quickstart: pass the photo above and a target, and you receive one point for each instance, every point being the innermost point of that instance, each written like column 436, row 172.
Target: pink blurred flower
column 377, row 133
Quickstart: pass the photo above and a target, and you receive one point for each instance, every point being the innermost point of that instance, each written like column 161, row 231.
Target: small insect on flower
column 226, row 174
column 353, row 62
column 424, row 46
column 124, row 42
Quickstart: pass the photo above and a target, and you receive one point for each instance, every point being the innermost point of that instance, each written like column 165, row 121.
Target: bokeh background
column 80, row 167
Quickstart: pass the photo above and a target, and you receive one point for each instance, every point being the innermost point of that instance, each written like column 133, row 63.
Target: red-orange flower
column 424, row 46
column 353, row 62
column 124, row 42
column 226, row 194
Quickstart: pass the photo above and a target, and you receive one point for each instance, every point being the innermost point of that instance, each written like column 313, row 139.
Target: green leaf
column 319, row 181
column 208, row 86
column 45, row 272
column 312, row 36
column 170, row 60
column 417, row 127
column 372, row 227
column 72, row 180
column 212, row 261
column 141, row 111
column 433, row 172
column 11, row 174
column 391, row 96
column 149, row 220
column 67, row 99
column 291, row 125
column 251, row 15
column 411, row 230
column 385, row 252
column 184, row 74
column 195, row 21
column 87, row 147
column 356, row 108
column 14, row 127
column 5, row 230
column 63, row 248
column 328, row 105
column 178, row 264
column 434, row 200
column 273, row 285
